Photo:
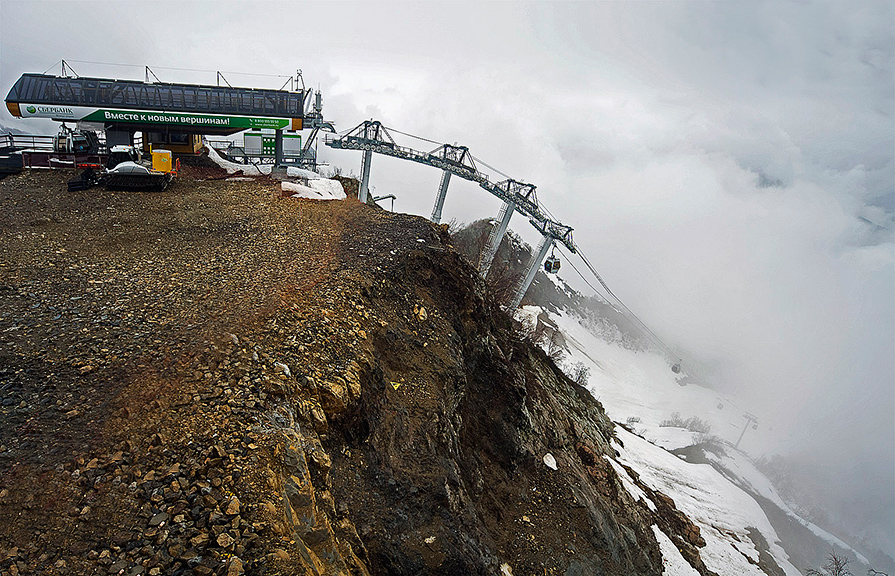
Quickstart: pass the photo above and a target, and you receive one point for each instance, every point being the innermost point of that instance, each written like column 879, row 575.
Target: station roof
column 98, row 99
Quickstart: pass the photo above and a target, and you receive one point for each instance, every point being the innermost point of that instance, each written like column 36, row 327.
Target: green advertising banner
column 185, row 119
column 89, row 114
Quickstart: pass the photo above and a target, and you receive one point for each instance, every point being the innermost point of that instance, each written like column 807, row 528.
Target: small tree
column 835, row 566
column 579, row 373
column 502, row 282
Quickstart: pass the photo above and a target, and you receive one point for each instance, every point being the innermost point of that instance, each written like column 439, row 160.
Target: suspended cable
column 624, row 308
column 178, row 69
column 627, row 310
column 390, row 129
column 583, row 279
column 53, row 66
column 490, row 167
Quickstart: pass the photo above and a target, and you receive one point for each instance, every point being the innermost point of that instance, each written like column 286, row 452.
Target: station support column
column 497, row 233
column 442, row 193
column 365, row 176
column 536, row 261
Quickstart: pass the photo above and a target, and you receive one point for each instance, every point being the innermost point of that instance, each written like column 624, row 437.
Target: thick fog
column 728, row 167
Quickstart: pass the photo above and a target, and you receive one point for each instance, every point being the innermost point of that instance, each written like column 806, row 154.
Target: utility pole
column 749, row 420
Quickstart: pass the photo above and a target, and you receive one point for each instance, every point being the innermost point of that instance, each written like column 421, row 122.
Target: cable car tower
column 372, row 136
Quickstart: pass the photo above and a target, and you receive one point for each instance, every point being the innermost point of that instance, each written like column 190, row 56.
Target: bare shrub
column 693, row 424
column 579, row 373
column 711, row 440
column 555, row 350
column 835, row 566
column 696, row 424
column 502, row 283
column 674, row 422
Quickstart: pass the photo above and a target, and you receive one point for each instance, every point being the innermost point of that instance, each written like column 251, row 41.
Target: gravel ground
column 112, row 307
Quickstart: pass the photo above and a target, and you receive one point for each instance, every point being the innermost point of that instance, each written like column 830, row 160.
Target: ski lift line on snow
column 596, row 291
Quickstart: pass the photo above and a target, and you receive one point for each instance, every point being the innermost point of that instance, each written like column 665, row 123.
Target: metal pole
column 442, row 193
column 506, row 212
column 365, row 176
column 749, row 420
column 536, row 261
column 279, row 157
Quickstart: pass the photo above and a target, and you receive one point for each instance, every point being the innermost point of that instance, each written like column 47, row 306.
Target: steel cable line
column 390, row 129
column 430, row 141
column 490, row 167
column 610, row 292
column 477, row 159
column 575, row 268
column 624, row 307
column 173, row 68
column 53, row 66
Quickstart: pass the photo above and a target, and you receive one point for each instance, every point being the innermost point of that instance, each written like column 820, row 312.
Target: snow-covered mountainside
column 678, row 439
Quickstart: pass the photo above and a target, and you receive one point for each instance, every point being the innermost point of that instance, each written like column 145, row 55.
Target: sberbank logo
column 31, row 109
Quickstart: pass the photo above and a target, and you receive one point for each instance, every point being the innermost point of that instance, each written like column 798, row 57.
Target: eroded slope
column 217, row 380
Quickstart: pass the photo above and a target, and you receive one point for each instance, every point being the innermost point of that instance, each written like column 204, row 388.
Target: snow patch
column 743, row 472
column 233, row 167
column 638, row 387
column 633, row 489
column 302, row 191
column 327, row 186
column 673, row 564
column 294, row 172
column 723, row 512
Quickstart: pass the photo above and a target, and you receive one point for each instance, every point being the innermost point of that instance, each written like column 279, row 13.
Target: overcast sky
column 729, row 167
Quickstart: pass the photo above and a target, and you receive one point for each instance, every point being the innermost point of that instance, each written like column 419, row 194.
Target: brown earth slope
column 214, row 380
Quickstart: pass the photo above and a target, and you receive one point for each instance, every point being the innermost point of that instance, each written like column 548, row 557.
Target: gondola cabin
column 551, row 265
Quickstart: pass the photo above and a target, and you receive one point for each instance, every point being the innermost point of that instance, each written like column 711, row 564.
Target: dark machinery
column 124, row 171
column 122, row 153
column 136, row 177
column 90, row 177
column 70, row 141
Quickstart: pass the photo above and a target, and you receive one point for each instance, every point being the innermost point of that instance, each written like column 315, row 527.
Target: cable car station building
column 173, row 116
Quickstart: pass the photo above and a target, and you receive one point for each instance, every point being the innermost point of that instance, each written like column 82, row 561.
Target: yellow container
column 161, row 160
